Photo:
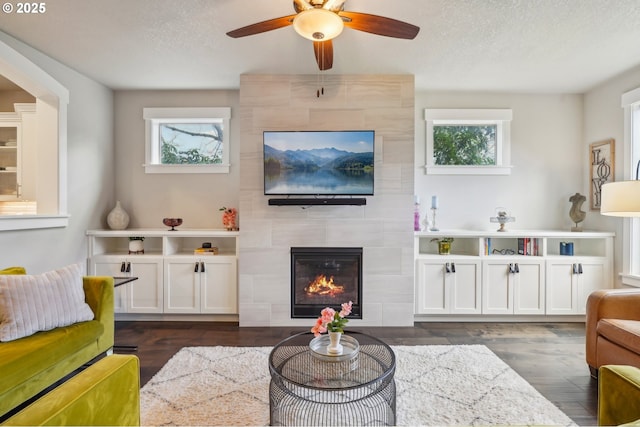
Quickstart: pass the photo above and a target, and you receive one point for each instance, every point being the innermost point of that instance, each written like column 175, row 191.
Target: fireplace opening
column 325, row 277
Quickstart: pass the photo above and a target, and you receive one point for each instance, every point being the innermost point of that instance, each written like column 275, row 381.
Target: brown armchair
column 613, row 328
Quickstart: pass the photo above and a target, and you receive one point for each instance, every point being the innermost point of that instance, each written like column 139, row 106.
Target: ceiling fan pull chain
column 322, row 74
column 320, row 91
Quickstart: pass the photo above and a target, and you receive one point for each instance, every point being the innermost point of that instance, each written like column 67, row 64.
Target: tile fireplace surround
column 382, row 227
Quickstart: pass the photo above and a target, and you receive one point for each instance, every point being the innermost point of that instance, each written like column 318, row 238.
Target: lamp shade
column 620, row 199
column 318, row 24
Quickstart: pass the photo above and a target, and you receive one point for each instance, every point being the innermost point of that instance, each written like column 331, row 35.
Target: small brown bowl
column 172, row 222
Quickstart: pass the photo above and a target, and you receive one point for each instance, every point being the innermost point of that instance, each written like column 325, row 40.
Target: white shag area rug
column 437, row 385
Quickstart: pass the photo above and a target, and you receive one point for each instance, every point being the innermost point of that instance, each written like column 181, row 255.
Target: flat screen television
column 329, row 163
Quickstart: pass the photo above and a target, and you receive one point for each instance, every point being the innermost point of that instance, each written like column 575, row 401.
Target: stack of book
column 206, row 251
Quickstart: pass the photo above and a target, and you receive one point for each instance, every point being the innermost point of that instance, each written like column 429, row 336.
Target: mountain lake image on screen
column 318, row 162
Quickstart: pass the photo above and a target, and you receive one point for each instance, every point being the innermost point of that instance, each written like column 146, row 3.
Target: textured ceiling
column 560, row 46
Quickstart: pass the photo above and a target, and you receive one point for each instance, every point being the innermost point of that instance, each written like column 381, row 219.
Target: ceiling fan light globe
column 318, row 24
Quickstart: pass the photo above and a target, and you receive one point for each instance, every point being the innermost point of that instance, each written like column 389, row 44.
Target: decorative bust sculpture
column 575, row 213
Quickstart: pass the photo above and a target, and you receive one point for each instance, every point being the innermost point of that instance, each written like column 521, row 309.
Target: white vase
column 334, row 346
column 118, row 218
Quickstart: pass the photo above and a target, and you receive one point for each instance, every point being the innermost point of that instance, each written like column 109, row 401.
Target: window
column 473, row 142
column 631, row 227
column 187, row 140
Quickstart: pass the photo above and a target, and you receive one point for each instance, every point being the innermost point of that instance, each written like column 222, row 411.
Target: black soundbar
column 358, row 201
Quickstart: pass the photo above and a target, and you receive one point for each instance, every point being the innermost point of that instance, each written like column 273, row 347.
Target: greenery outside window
column 187, row 140
column 474, row 142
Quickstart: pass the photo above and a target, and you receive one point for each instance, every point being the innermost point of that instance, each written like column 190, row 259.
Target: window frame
column 501, row 118
column 630, row 102
column 154, row 117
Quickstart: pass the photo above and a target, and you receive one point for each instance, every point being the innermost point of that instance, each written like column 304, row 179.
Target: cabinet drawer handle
column 128, row 267
column 580, row 268
column 511, row 270
column 122, row 267
column 201, row 267
column 446, row 268
column 196, row 267
column 517, row 268
column 453, row 267
column 574, row 268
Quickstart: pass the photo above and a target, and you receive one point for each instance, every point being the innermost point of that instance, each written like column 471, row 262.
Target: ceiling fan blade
column 261, row 27
column 324, row 54
column 379, row 25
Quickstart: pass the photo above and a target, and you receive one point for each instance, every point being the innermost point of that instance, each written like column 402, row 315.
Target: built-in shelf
column 518, row 274
column 172, row 279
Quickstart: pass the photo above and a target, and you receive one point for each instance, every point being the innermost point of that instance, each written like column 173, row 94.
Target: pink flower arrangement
column 331, row 320
column 229, row 217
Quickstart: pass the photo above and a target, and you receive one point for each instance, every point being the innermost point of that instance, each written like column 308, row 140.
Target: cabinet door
column 592, row 275
column 218, row 285
column 111, row 266
column 144, row 295
column 497, row 288
column 528, row 287
column 464, row 287
column 431, row 295
column 561, row 287
column 182, row 285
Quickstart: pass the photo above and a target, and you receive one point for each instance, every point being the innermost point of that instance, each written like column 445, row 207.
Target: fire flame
column 322, row 286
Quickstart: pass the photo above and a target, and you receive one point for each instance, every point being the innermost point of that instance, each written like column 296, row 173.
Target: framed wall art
column 601, row 168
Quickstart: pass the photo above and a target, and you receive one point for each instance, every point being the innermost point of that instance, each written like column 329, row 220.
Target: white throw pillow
column 32, row 303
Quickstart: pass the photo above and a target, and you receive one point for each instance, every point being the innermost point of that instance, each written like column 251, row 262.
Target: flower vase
column 334, row 346
column 230, row 224
column 229, row 219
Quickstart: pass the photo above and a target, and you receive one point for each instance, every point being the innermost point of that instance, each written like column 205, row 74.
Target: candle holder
column 433, row 223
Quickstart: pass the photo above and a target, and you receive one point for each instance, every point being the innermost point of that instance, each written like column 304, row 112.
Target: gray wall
column 90, row 172
column 546, row 154
column 148, row 198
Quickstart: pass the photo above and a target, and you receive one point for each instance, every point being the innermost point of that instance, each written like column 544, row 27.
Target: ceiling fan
column 322, row 20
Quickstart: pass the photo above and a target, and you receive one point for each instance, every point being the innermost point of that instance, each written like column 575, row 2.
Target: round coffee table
column 309, row 390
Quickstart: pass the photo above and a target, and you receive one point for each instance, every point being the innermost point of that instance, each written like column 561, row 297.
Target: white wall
column 604, row 119
column 148, row 198
column 90, row 172
column 548, row 161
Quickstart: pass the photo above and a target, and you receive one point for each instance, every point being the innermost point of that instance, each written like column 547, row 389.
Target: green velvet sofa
column 32, row 364
column 105, row 394
column 618, row 395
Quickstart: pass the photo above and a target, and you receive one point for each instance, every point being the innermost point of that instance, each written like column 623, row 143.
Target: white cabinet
column 448, row 286
column 513, row 273
column 200, row 285
column 171, row 278
column 144, row 295
column 513, row 286
column 570, row 281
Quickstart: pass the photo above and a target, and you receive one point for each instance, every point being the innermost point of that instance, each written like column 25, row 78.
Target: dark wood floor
column 550, row 356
